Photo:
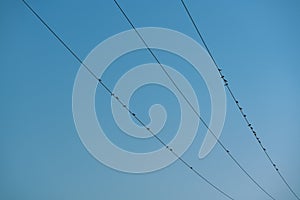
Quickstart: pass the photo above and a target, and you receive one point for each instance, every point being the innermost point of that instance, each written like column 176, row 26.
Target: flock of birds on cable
column 226, row 84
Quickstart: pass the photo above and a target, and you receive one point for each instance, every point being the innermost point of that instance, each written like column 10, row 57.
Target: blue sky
column 255, row 43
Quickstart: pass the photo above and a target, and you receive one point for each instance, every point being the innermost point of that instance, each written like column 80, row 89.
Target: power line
column 124, row 105
column 189, row 103
column 237, row 102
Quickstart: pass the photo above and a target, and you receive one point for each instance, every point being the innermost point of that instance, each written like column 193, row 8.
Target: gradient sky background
column 255, row 42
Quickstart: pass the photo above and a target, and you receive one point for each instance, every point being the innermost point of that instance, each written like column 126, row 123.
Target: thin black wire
column 191, row 106
column 124, row 105
column 237, row 102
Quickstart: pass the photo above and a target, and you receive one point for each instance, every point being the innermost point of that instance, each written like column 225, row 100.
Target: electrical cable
column 237, row 102
column 189, row 103
column 124, row 105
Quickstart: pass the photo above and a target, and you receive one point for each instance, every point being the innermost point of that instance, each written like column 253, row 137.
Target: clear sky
column 257, row 45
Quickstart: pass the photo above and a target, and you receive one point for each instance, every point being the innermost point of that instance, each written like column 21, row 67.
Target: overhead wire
column 124, row 105
column 189, row 103
column 226, row 84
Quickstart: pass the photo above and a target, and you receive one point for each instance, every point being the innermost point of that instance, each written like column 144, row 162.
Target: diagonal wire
column 237, row 102
column 189, row 103
column 124, row 105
